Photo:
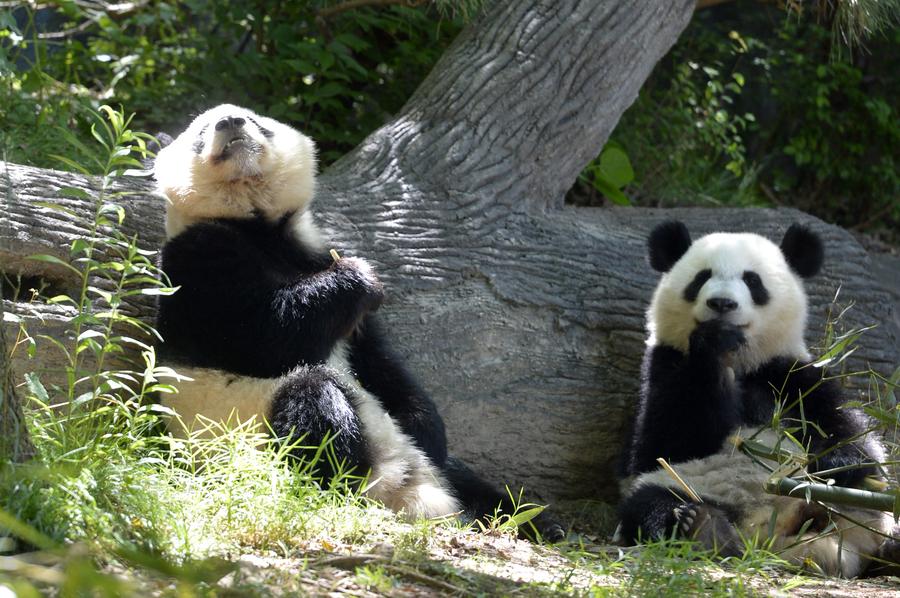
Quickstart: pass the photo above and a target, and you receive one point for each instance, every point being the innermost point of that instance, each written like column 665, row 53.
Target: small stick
column 674, row 475
column 335, row 255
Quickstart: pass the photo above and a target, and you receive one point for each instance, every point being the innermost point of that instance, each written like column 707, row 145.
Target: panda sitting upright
column 265, row 323
column 726, row 327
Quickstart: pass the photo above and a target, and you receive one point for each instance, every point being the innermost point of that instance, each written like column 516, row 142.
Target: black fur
column 666, row 244
column 482, row 499
column 313, row 404
column 803, row 250
column 376, row 363
column 652, row 513
column 692, row 290
column 255, row 302
column 758, row 291
column 689, row 406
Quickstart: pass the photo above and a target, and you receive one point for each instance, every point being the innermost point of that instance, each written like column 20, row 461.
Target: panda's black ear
column 666, row 244
column 803, row 250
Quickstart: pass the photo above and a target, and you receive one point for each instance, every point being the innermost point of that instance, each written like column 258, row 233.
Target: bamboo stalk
column 878, row 501
column 674, row 475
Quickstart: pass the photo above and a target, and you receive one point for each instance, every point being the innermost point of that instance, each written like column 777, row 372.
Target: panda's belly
column 209, row 399
column 730, row 477
column 402, row 476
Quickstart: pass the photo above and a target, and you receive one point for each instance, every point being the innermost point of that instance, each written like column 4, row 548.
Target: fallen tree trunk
column 522, row 316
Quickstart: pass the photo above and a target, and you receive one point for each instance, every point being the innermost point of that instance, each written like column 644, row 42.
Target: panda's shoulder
column 660, row 358
column 202, row 234
column 220, row 241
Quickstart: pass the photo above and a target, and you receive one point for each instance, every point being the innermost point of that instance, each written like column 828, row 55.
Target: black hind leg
column 313, row 404
column 481, row 500
column 656, row 512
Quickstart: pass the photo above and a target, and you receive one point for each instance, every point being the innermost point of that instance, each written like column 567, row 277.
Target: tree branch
column 522, row 99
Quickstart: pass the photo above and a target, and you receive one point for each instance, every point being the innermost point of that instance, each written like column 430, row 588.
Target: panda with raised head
column 266, row 323
column 726, row 343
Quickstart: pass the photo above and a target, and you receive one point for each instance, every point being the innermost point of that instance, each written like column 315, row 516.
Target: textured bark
column 522, row 316
column 15, row 442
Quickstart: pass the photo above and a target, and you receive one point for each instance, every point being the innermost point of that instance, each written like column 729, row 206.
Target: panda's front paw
column 362, row 275
column 716, row 338
column 709, row 526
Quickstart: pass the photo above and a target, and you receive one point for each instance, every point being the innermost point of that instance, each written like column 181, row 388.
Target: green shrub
column 742, row 112
column 336, row 78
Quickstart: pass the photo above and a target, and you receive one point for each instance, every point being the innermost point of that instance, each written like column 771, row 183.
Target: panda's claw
column 709, row 526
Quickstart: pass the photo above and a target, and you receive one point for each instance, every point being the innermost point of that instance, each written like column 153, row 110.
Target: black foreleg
column 655, row 512
column 313, row 404
column 482, row 500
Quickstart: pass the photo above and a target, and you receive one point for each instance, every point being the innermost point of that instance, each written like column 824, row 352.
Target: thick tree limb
column 522, row 316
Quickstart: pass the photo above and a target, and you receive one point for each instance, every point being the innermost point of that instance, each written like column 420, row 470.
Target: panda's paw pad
column 685, row 515
column 710, row 527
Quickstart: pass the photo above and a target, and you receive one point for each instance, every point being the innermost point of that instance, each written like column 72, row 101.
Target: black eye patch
column 199, row 144
column 758, row 290
column 692, row 290
column 265, row 132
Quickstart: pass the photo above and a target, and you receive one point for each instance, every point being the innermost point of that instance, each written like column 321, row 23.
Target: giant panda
column 726, row 342
column 266, row 324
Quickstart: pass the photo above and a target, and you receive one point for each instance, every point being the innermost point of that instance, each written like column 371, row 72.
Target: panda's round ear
column 803, row 250
column 666, row 244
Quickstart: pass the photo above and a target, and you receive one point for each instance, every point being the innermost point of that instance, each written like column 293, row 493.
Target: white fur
column 215, row 396
column 776, row 328
column 402, row 477
column 731, row 477
column 271, row 176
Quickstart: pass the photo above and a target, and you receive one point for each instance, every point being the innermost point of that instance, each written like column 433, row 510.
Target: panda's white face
column 742, row 279
column 233, row 163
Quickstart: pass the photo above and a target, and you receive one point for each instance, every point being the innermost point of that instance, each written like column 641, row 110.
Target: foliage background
column 753, row 106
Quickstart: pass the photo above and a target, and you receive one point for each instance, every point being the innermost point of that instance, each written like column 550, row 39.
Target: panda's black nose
column 230, row 122
column 721, row 304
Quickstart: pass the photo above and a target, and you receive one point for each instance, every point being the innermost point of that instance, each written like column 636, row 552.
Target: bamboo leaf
column 52, row 259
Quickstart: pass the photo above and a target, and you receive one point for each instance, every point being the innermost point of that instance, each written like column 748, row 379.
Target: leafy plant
column 609, row 173
column 335, row 73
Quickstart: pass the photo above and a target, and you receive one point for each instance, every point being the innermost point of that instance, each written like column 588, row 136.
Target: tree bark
column 521, row 315
column 15, row 442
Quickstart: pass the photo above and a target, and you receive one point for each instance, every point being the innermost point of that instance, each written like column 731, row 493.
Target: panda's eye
column 265, row 132
column 692, row 290
column 758, row 290
column 199, row 144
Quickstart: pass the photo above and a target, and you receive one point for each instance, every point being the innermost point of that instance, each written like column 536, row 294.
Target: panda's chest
column 757, row 401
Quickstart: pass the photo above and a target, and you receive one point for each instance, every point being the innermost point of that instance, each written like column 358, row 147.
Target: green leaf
column 524, row 516
column 51, row 259
column 75, row 193
column 330, row 89
column 611, row 193
column 615, row 167
column 36, row 389
column 71, row 164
